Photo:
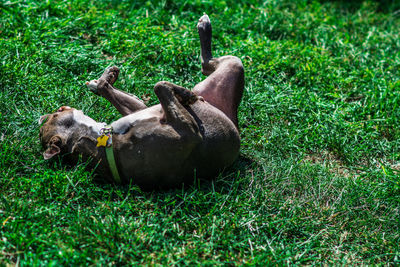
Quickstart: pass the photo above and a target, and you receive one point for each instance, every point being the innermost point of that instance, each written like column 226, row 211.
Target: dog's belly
column 156, row 154
column 221, row 141
column 153, row 154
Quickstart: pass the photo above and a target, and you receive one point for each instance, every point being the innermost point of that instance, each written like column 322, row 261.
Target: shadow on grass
column 221, row 183
column 203, row 195
column 226, row 179
column 384, row 6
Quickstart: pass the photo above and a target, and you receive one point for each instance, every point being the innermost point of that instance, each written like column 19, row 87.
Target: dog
column 189, row 134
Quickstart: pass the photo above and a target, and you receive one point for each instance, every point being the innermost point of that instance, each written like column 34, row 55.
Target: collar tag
column 102, row 140
column 105, row 137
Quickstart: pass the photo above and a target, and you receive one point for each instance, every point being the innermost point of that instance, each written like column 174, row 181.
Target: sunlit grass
column 317, row 181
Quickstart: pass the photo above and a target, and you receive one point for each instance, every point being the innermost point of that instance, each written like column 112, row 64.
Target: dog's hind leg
column 205, row 33
column 123, row 102
column 223, row 88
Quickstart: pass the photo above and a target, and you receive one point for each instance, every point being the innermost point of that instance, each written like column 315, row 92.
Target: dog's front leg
column 123, row 102
column 173, row 98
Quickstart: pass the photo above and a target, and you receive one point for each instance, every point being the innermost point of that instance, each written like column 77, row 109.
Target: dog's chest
column 123, row 125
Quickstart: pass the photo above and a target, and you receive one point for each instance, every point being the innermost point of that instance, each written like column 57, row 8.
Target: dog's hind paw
column 204, row 25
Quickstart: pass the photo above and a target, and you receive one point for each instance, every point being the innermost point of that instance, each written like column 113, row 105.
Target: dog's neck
column 85, row 149
column 93, row 126
column 83, row 141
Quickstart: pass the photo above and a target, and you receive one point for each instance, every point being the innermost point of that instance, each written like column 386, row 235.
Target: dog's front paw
column 110, row 74
column 92, row 85
column 192, row 99
column 186, row 98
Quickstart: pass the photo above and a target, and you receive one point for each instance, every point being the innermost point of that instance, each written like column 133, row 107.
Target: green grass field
column 317, row 181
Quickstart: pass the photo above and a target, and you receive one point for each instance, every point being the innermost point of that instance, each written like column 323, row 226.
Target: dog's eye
column 68, row 123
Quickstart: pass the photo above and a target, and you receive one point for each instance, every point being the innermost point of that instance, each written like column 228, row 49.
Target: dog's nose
column 63, row 108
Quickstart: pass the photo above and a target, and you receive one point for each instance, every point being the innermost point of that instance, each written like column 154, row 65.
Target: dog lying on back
column 189, row 134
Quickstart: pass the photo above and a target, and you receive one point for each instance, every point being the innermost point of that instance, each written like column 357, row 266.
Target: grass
column 317, row 181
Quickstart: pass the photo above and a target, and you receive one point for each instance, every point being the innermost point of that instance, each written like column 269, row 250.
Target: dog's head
column 60, row 130
column 54, row 131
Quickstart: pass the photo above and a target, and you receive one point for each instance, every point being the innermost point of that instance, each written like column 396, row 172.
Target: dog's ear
column 54, row 147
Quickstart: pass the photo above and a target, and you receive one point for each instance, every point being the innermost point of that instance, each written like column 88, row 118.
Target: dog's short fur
column 190, row 133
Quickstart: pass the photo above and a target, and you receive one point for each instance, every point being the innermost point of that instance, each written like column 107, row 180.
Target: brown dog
column 189, row 134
